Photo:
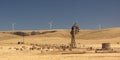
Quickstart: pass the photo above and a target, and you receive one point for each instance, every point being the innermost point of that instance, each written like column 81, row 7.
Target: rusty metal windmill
column 74, row 30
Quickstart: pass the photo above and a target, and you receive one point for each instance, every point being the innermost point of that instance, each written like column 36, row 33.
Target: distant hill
column 61, row 35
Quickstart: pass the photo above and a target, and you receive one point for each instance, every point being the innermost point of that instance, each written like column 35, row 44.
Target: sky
column 36, row 14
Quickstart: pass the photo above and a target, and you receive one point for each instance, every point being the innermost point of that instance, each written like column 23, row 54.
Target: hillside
column 63, row 36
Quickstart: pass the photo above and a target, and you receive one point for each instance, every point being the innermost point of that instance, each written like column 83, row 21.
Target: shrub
column 21, row 33
column 35, row 33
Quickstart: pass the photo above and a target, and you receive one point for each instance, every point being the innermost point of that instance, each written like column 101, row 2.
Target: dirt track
column 105, row 56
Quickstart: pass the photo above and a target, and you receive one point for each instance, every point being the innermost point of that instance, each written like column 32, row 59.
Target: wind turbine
column 13, row 27
column 50, row 24
column 100, row 27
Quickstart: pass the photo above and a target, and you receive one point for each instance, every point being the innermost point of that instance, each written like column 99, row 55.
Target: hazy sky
column 36, row 14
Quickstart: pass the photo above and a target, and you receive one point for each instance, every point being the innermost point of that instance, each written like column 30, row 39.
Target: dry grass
column 88, row 38
column 111, row 35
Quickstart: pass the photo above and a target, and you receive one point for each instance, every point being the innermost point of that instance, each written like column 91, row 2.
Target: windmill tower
column 74, row 31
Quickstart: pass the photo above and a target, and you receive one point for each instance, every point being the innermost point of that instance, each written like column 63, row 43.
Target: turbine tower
column 100, row 26
column 13, row 27
column 50, row 24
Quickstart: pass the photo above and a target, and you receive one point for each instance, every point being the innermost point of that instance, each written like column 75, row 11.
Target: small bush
column 35, row 33
column 20, row 42
column 21, row 33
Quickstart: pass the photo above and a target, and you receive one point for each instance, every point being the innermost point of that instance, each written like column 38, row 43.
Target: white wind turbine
column 100, row 26
column 50, row 24
column 13, row 27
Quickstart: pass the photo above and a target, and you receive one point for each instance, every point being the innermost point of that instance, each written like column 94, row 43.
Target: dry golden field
column 85, row 38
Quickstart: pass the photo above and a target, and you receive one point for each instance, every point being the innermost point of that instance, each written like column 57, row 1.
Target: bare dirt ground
column 85, row 38
column 24, row 56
